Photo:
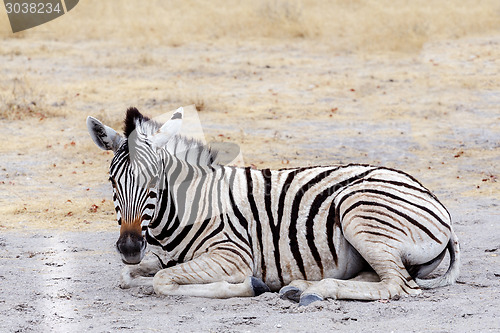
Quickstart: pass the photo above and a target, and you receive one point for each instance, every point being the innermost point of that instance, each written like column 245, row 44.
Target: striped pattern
column 207, row 222
column 131, row 178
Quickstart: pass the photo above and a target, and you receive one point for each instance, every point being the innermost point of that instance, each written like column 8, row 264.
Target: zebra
column 354, row 231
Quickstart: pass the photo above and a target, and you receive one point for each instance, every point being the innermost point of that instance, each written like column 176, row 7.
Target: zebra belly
column 349, row 263
column 344, row 264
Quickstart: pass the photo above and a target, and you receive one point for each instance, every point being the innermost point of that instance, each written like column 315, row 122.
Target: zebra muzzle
column 131, row 247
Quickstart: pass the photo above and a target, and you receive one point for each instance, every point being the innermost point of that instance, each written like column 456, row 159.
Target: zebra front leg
column 209, row 275
column 358, row 290
column 294, row 290
column 249, row 287
column 140, row 274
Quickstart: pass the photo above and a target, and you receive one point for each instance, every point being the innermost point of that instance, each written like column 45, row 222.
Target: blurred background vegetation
column 344, row 25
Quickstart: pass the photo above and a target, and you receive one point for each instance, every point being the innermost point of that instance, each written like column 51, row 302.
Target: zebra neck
column 192, row 199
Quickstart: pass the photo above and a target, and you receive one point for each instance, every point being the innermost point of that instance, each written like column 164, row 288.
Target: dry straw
column 345, row 25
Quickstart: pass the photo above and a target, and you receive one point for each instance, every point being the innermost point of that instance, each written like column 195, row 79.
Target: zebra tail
column 453, row 271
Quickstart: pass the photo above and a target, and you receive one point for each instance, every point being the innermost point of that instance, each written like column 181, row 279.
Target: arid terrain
column 408, row 85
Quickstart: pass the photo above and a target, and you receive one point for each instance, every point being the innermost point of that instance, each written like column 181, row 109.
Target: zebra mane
column 135, row 119
column 192, row 151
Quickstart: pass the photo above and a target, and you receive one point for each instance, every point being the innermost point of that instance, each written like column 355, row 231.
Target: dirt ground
column 432, row 111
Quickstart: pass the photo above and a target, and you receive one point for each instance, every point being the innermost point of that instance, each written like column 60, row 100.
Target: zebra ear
column 169, row 129
column 103, row 136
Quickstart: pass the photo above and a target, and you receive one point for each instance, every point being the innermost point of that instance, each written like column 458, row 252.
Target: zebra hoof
column 305, row 300
column 258, row 286
column 290, row 292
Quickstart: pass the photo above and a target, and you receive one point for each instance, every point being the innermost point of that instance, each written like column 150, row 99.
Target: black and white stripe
column 279, row 226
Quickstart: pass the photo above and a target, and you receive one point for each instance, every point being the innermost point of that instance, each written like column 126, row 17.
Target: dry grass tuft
column 111, row 119
column 22, row 100
column 284, row 18
column 384, row 25
column 199, row 104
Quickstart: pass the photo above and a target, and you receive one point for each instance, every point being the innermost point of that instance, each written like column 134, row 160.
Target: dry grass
column 373, row 26
column 54, row 213
column 254, row 69
column 21, row 100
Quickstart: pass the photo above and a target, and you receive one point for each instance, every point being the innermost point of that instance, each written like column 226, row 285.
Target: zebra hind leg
column 394, row 281
column 294, row 290
column 367, row 276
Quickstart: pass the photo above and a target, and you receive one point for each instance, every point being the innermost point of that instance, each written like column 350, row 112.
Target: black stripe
column 210, row 191
column 292, row 233
column 372, row 218
column 168, row 264
column 314, row 210
column 241, row 219
column 420, row 184
column 150, row 206
column 172, row 221
column 152, row 240
column 255, row 213
column 229, row 240
column 164, row 199
column 178, row 239
column 408, row 218
column 230, row 249
column 267, row 175
column 236, row 232
column 195, row 204
column 219, row 191
column 237, row 213
column 276, row 229
column 331, row 222
column 395, row 197
column 284, row 190
column 333, row 218
column 168, row 229
column 214, row 244
column 211, row 235
column 239, row 245
column 376, row 234
column 193, row 239
column 182, row 190
column 399, row 184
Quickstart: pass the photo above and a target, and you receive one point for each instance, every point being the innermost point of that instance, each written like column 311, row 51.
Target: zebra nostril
column 131, row 247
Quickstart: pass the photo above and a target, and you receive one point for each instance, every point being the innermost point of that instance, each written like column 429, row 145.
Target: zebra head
column 135, row 173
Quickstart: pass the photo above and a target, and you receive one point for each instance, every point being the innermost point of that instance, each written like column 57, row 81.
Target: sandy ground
column 433, row 113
